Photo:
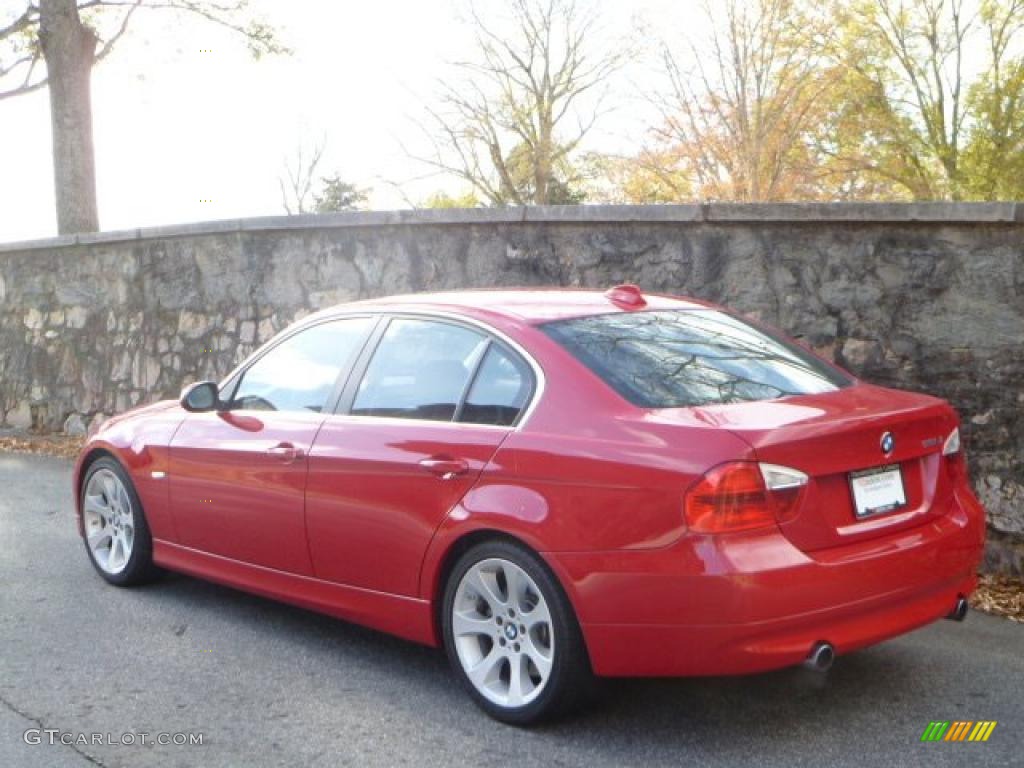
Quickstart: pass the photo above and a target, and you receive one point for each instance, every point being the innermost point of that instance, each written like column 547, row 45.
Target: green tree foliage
column 442, row 200
column 301, row 192
column 561, row 182
column 338, row 195
column 904, row 65
column 841, row 100
column 993, row 160
column 914, row 111
column 653, row 175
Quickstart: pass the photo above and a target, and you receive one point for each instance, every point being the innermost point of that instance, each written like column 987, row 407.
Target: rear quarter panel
column 587, row 472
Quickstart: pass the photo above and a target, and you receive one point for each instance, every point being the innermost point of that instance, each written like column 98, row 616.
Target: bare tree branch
column 298, row 175
column 27, row 19
column 259, row 37
column 741, row 113
column 504, row 127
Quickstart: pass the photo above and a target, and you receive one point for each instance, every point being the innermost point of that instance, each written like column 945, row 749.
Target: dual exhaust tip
column 822, row 654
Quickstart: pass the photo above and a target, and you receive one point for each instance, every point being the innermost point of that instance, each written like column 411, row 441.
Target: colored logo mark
column 958, row 730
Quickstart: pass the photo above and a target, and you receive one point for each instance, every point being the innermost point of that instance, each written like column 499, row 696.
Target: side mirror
column 200, row 397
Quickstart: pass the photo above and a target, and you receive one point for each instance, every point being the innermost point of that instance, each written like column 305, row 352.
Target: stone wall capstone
column 926, row 297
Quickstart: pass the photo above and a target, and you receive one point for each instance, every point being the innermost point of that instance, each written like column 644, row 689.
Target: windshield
column 681, row 358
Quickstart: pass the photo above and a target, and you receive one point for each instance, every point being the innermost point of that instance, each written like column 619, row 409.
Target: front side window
column 681, row 358
column 420, row 370
column 299, row 374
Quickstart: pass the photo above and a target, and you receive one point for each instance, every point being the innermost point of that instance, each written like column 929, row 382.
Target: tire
column 117, row 536
column 486, row 643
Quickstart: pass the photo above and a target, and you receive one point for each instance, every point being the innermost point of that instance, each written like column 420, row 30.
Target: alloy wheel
column 109, row 521
column 503, row 632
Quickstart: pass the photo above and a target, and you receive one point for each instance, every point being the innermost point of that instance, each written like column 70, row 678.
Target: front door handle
column 287, row 452
column 444, row 467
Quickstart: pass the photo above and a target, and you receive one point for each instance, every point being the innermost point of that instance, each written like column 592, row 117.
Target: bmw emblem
column 888, row 443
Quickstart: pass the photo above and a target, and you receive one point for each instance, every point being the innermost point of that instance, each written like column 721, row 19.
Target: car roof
column 530, row 305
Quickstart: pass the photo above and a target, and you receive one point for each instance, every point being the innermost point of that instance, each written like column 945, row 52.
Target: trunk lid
column 828, row 436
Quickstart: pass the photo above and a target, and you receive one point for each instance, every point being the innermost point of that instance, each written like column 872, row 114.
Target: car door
column 432, row 403
column 238, row 476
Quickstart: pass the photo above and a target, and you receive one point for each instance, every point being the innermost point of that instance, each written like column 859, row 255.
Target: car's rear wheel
column 117, row 537
column 511, row 635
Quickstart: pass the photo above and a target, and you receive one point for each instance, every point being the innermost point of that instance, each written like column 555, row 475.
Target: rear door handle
column 445, row 468
column 287, row 452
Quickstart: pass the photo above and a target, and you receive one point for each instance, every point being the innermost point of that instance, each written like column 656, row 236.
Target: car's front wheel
column 117, row 537
column 511, row 635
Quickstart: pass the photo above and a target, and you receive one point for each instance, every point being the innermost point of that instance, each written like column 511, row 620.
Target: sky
column 189, row 127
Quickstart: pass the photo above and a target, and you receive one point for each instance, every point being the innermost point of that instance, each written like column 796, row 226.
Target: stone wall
column 927, row 297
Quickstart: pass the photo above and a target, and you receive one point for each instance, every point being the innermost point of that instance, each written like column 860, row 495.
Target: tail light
column 952, row 444
column 954, row 455
column 787, row 488
column 743, row 495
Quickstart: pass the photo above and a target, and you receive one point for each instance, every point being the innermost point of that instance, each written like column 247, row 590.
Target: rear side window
column 502, row 387
column 682, row 358
column 420, row 370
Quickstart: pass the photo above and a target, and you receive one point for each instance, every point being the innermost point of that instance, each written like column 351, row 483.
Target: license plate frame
column 894, row 494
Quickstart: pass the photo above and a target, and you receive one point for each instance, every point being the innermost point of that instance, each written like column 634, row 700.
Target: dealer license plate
column 877, row 490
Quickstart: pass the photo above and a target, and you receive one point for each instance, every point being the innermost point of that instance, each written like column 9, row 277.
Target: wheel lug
column 498, row 619
column 516, row 647
column 501, row 641
column 511, row 613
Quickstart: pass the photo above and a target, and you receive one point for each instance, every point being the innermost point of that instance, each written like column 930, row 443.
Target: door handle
column 286, row 451
column 445, row 468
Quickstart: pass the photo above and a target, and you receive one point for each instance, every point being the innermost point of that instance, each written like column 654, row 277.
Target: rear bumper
column 753, row 602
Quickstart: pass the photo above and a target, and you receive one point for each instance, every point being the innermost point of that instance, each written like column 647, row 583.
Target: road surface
column 267, row 684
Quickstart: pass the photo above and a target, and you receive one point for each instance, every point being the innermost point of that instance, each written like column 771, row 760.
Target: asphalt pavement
column 266, row 684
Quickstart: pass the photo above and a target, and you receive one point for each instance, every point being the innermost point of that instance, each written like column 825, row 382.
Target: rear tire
column 117, row 536
column 511, row 635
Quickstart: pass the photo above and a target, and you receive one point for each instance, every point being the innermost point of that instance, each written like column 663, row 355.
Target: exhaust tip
column 959, row 612
column 821, row 657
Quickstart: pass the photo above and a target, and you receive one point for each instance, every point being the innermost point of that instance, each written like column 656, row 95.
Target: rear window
column 682, row 358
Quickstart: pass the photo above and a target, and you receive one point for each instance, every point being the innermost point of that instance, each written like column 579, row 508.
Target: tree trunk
column 542, row 160
column 69, row 47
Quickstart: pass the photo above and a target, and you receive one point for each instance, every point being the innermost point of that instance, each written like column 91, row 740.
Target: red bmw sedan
column 552, row 485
